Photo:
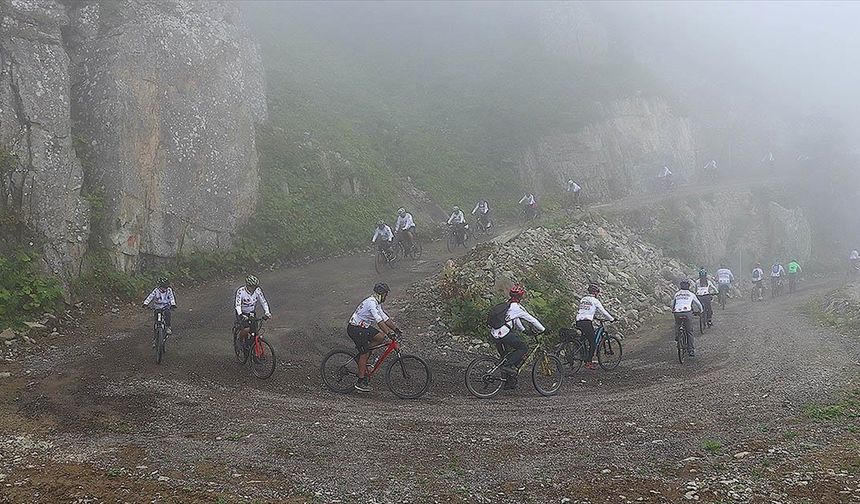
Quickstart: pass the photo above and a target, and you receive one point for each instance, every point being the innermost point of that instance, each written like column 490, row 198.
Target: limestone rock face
column 40, row 175
column 166, row 96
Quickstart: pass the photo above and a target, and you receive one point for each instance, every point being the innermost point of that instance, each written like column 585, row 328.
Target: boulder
column 7, row 335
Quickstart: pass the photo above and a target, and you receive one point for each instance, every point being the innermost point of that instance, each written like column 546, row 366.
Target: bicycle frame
column 391, row 346
column 533, row 349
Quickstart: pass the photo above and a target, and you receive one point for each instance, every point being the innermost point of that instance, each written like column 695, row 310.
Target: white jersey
column 573, row 186
column 777, row 271
column 589, row 306
column 482, row 207
column 512, row 319
column 160, row 299
column 246, row 302
column 757, row 275
column 665, row 172
column 404, row 222
column 457, row 218
column 385, row 234
column 724, row 276
column 368, row 313
column 528, row 198
column 685, row 301
column 709, row 289
column 854, row 255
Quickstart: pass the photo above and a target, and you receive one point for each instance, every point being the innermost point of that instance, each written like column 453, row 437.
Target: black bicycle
column 254, row 349
column 484, row 225
column 386, row 257
column 160, row 336
column 485, row 375
column 682, row 338
column 574, row 350
column 459, row 235
column 408, row 250
column 723, row 295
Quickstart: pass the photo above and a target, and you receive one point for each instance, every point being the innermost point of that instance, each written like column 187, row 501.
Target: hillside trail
column 199, row 419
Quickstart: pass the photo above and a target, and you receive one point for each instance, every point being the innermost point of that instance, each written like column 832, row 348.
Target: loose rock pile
column 841, row 309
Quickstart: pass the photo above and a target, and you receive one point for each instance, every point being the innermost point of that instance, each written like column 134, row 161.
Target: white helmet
column 401, row 211
column 456, row 208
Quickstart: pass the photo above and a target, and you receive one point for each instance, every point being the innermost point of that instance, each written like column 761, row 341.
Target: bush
column 25, row 293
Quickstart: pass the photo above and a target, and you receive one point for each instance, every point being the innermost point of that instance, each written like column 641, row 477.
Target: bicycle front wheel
column 159, row 345
column 417, row 249
column 451, row 243
column 484, row 377
column 547, row 374
column 609, row 353
column 379, row 262
column 339, row 371
column 262, row 359
column 574, row 356
column 408, row 377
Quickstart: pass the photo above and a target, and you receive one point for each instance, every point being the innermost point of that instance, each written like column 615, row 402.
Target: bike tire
column 417, row 250
column 159, row 345
column 338, row 371
column 451, row 243
column 379, row 262
column 609, row 353
column 682, row 346
column 702, row 323
column 484, row 377
column 574, row 356
column 408, row 377
column 238, row 349
column 547, row 374
column 263, row 360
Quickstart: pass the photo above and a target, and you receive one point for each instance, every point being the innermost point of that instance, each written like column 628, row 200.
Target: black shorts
column 361, row 336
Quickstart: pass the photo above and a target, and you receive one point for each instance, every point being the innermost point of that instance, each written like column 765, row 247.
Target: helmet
column 517, row 292
column 380, row 223
column 401, row 211
column 685, row 284
column 162, row 281
column 456, row 208
column 252, row 281
column 703, row 273
column 593, row 289
column 381, row 288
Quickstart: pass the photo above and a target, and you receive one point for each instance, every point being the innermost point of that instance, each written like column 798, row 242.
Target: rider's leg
column 363, row 337
column 520, row 348
column 167, row 320
column 688, row 326
column 586, row 327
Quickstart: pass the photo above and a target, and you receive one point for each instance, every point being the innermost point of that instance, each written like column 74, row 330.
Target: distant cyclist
column 777, row 272
column 482, row 213
column 507, row 339
column 405, row 227
column 854, row 263
column 589, row 307
column 457, row 221
column 382, row 237
column 684, row 304
column 367, row 327
column 665, row 176
column 705, row 291
column 794, row 271
column 573, row 190
column 529, row 204
column 247, row 297
column 162, row 297
column 724, row 280
column 757, row 279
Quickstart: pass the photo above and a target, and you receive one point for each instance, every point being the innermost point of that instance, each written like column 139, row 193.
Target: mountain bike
column 574, row 350
column 407, row 377
column 385, row 258
column 775, row 287
column 757, row 291
column 459, row 235
column 485, row 378
column 703, row 322
column 530, row 214
column 483, row 225
column 723, row 295
column 682, row 339
column 792, row 283
column 160, row 334
column 407, row 250
column 254, row 349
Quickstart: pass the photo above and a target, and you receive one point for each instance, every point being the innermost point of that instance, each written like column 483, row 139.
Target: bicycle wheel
column 484, row 377
column 408, row 377
column 609, row 353
column 338, row 371
column 574, row 356
column 682, row 345
column 452, row 243
column 379, row 261
column 417, row 249
column 159, row 344
column 547, row 374
column 238, row 349
column 262, row 359
column 702, row 323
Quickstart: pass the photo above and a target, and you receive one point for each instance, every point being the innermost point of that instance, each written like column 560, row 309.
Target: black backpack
column 498, row 314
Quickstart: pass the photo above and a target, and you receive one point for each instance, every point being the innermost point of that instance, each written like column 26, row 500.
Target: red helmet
column 517, row 291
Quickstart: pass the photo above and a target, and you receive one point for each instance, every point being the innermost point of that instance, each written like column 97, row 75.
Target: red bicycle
column 255, row 350
column 407, row 377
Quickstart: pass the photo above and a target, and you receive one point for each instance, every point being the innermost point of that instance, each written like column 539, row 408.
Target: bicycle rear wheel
column 159, row 344
column 682, row 346
column 484, row 377
column 339, row 371
column 408, row 377
column 547, row 374
column 417, row 249
column 609, row 353
column 262, row 359
column 574, row 356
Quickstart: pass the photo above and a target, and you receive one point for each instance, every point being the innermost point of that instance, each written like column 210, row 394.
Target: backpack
column 775, row 269
column 496, row 316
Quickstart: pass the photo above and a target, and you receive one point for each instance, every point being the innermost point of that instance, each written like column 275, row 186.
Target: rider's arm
column 451, row 218
column 697, row 304
column 524, row 198
column 518, row 312
column 263, row 302
column 383, row 321
column 150, row 297
column 602, row 311
column 171, row 298
column 389, row 233
column 375, row 235
column 397, row 224
column 239, row 302
column 476, row 208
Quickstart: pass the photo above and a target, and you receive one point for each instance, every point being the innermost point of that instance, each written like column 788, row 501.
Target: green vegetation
column 712, row 446
column 25, row 292
column 847, row 408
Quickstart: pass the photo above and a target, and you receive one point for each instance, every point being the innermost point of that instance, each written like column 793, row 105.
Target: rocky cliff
column 157, row 100
column 40, row 175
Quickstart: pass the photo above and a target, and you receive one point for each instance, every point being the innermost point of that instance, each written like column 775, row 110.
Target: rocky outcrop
column 40, row 175
column 167, row 96
column 614, row 156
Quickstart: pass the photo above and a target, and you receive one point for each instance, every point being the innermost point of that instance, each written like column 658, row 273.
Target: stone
column 7, row 335
column 34, row 325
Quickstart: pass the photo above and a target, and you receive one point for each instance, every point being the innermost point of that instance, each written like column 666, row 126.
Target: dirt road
column 98, row 421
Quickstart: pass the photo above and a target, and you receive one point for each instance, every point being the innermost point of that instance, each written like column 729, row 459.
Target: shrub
column 25, row 292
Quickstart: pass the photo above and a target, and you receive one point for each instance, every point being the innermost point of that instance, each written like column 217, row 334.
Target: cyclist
column 482, row 213
column 573, row 190
column 247, row 297
column 367, row 327
column 505, row 336
column 684, row 304
column 854, row 260
column 776, row 274
column 457, row 221
column 384, row 235
column 724, row 280
column 162, row 297
column 589, row 306
column 405, row 225
column 794, row 271
column 529, row 204
column 705, row 290
column 666, row 176
column 757, row 278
